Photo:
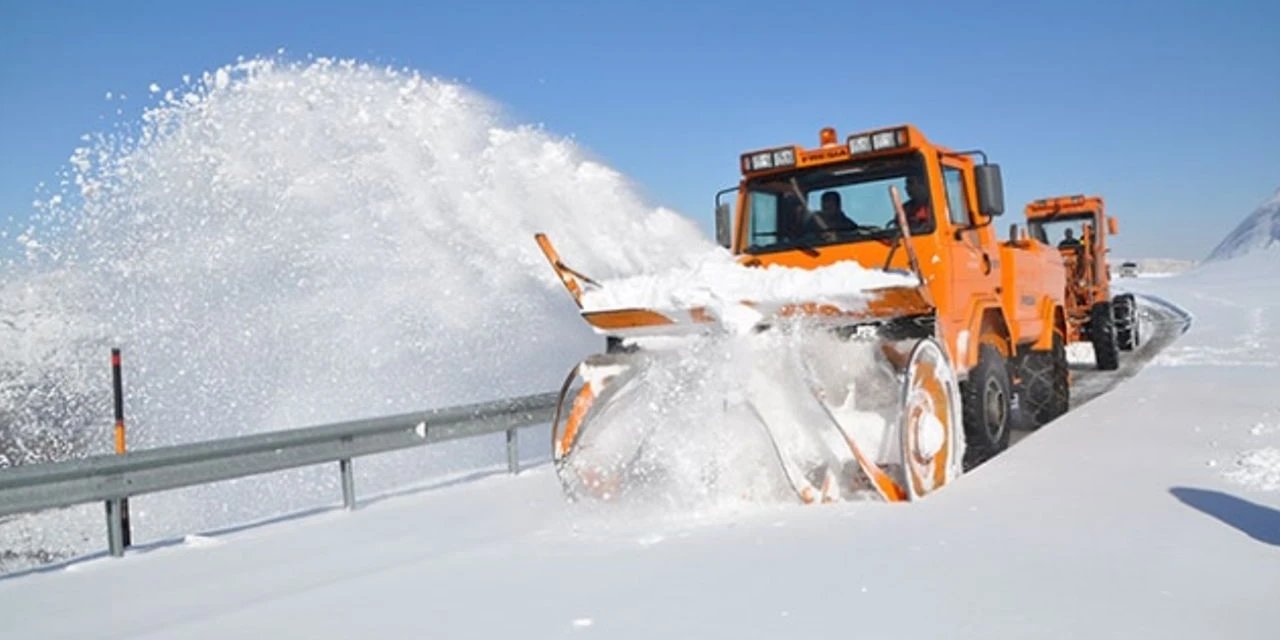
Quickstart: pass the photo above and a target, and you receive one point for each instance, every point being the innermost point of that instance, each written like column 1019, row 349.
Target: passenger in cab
column 917, row 208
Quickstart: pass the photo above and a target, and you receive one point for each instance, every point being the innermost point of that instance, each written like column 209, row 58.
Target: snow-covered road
column 1129, row 517
column 1161, row 323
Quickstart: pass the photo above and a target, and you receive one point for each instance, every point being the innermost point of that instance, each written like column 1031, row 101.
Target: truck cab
column 891, row 199
column 810, row 208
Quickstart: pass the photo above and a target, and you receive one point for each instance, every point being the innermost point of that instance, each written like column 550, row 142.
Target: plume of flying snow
column 278, row 244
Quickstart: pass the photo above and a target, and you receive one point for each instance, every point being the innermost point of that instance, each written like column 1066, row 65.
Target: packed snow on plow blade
column 755, row 400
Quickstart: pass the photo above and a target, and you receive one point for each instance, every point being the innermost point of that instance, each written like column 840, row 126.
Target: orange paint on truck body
column 980, row 290
column 1088, row 279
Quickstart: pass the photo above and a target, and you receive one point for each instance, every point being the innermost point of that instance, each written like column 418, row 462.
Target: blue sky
column 1170, row 110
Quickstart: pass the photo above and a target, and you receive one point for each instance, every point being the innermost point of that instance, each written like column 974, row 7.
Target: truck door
column 974, row 254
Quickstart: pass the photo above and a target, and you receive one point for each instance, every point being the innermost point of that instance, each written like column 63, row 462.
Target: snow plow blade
column 819, row 392
column 877, row 304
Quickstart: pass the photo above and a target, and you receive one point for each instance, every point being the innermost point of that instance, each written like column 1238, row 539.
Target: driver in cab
column 830, row 219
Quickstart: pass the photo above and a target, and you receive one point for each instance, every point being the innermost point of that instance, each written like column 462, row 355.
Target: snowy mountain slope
column 1129, row 517
column 1261, row 230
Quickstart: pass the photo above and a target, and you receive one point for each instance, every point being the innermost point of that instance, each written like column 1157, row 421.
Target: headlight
column 859, row 144
column 784, row 157
column 884, row 140
column 763, row 160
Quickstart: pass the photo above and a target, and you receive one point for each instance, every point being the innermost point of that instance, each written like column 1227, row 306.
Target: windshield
column 1062, row 231
column 839, row 204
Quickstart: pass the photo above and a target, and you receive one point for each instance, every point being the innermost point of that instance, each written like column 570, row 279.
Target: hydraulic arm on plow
column 890, row 391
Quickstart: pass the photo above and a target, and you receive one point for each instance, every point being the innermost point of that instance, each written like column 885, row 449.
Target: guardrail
column 114, row 478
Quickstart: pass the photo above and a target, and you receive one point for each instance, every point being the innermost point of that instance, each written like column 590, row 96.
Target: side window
column 764, row 218
column 957, row 204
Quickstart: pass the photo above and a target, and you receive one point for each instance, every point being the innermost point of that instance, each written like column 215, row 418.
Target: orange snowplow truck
column 996, row 307
column 1081, row 228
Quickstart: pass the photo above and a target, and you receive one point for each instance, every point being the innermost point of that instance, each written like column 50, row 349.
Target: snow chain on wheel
column 987, row 400
column 1044, row 393
column 1102, row 332
column 1125, row 312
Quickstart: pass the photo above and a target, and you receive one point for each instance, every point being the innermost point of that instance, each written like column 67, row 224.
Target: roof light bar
column 877, row 141
column 779, row 158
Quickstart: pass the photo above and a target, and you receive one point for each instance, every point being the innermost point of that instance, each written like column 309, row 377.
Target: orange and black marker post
column 117, row 385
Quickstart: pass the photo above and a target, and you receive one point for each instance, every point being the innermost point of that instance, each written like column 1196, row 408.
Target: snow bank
column 1238, row 329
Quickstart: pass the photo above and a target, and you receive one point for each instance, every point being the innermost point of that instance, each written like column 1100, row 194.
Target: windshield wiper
column 798, row 243
column 807, row 249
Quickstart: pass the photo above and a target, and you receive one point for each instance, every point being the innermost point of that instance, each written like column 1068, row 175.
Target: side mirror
column 1113, row 226
column 724, row 226
column 990, row 189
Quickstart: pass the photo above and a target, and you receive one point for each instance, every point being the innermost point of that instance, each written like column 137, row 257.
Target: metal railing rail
column 113, row 478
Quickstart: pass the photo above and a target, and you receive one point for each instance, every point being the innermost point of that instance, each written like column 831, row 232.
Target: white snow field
column 1147, row 512
column 283, row 244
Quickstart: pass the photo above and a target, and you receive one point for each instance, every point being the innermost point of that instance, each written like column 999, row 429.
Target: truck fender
column 987, row 325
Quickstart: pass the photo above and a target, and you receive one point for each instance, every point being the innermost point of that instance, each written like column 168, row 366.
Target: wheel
column 1125, row 312
column 986, row 397
column 929, row 425
column 1102, row 332
column 1045, row 391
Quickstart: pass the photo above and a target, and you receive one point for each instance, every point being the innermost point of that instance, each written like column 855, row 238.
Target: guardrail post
column 513, row 452
column 117, row 391
column 115, row 527
column 348, row 484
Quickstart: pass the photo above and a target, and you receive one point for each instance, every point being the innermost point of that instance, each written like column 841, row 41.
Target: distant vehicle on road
column 1093, row 315
column 1129, row 270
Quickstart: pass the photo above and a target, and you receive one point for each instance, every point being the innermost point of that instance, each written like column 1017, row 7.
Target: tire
column 987, row 400
column 1125, row 312
column 1102, row 332
column 1044, row 392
